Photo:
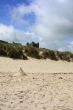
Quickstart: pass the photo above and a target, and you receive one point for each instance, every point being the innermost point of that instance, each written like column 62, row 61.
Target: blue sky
column 6, row 5
column 3, row 3
column 48, row 22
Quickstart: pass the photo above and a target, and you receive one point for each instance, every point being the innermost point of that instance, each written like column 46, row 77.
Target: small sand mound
column 19, row 73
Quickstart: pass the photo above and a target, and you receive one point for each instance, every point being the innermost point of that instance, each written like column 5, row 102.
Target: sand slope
column 32, row 89
column 35, row 66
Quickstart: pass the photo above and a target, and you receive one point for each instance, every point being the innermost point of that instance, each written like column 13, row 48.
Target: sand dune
column 35, row 66
column 35, row 85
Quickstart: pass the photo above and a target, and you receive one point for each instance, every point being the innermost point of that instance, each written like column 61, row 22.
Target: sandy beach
column 35, row 65
column 36, row 84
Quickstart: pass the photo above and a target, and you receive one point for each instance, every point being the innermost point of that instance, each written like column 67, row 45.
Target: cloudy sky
column 49, row 22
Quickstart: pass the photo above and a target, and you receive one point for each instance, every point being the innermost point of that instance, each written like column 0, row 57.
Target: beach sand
column 36, row 84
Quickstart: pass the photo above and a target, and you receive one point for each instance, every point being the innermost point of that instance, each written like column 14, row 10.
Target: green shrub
column 3, row 52
column 32, row 52
column 48, row 54
column 67, row 56
column 16, row 52
column 52, row 55
column 45, row 54
column 12, row 50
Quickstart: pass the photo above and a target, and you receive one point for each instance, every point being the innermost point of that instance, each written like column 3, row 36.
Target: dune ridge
column 19, row 51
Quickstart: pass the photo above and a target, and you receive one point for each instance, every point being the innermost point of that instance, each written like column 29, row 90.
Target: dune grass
column 18, row 51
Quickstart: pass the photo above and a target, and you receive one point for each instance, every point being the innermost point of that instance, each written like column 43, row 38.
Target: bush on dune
column 18, row 51
column 32, row 52
column 67, row 56
column 44, row 54
column 13, row 51
column 49, row 54
column 52, row 55
column 3, row 50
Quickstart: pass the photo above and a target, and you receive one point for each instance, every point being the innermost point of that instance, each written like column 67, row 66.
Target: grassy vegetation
column 12, row 50
column 32, row 52
column 18, row 51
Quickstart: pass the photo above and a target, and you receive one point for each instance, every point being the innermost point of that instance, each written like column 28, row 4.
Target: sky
column 49, row 22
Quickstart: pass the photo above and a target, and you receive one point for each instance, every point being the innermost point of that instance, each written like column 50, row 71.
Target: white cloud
column 62, row 1
column 6, row 32
column 11, row 34
column 17, row 13
column 53, row 24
